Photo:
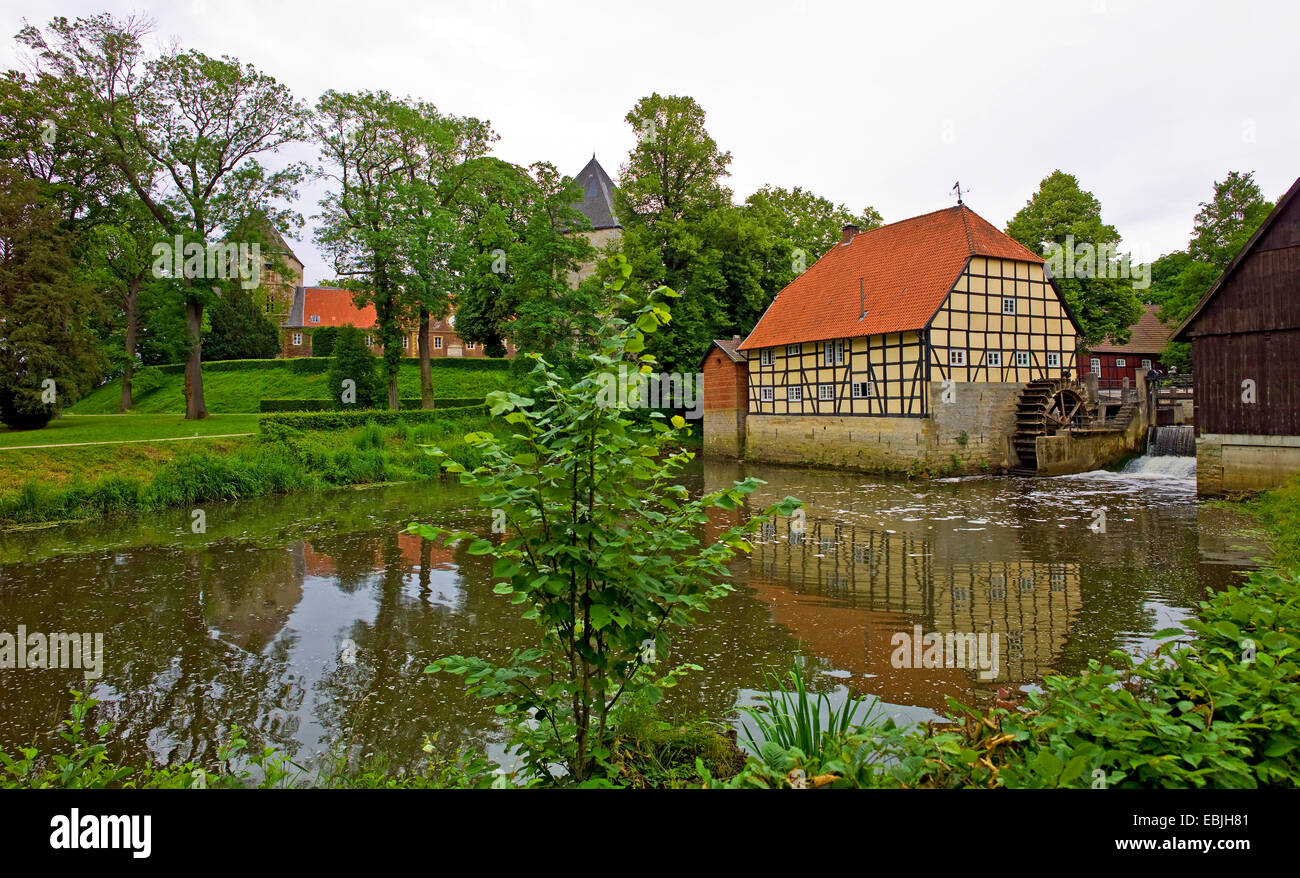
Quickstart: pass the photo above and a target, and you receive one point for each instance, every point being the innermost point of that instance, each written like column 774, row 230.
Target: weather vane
column 956, row 187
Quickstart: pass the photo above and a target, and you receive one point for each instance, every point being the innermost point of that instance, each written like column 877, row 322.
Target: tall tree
column 1063, row 217
column 187, row 133
column 1225, row 222
column 48, row 352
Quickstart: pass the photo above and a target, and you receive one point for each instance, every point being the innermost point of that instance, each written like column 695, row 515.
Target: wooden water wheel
column 1046, row 407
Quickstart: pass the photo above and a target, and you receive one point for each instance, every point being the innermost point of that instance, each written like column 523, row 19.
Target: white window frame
column 956, row 357
column 1121, row 363
column 297, row 339
column 370, row 340
column 1053, row 359
column 1146, row 365
column 833, row 352
column 793, row 350
column 469, row 345
column 1022, row 359
column 825, row 392
column 315, row 318
column 794, row 393
column 862, row 390
column 1009, row 300
column 406, row 342
column 766, row 357
column 1095, row 365
column 437, row 342
column 993, row 358
column 766, row 394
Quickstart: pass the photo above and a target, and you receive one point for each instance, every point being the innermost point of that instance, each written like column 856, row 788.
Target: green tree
column 49, row 354
column 186, row 133
column 239, row 329
column 1062, row 217
column 322, row 341
column 602, row 551
column 352, row 361
column 1225, row 222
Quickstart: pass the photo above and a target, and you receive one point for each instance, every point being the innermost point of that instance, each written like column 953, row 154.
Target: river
column 307, row 620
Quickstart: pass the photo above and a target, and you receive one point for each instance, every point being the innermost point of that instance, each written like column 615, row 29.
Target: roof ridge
column 965, row 224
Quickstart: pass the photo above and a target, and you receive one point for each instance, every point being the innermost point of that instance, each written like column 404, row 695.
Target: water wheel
column 1046, row 406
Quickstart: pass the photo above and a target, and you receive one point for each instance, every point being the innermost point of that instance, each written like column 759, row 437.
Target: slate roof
column 597, row 203
column 907, row 269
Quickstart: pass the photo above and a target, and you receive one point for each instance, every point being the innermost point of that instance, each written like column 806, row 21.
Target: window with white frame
column 794, row 394
column 1120, row 362
column 834, row 353
column 765, row 394
column 793, row 350
column 825, row 392
column 956, row 358
column 437, row 342
column 766, row 357
column 297, row 338
column 315, row 318
column 469, row 345
column 406, row 342
column 1022, row 358
column 1096, row 365
column 1146, row 365
column 1008, row 305
column 994, row 358
column 862, row 390
column 1053, row 360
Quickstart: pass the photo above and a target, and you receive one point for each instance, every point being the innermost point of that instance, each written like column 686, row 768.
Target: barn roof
column 729, row 346
column 1148, row 336
column 1246, row 250
column 906, row 270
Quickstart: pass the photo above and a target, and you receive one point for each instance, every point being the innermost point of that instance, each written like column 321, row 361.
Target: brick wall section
column 985, row 413
column 726, row 401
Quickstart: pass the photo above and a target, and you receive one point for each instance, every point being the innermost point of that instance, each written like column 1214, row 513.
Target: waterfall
column 1171, row 454
column 1171, row 441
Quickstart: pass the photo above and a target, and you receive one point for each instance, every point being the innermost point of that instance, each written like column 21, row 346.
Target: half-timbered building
column 853, row 359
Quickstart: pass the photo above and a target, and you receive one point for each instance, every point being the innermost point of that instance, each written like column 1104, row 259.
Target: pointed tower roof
column 597, row 203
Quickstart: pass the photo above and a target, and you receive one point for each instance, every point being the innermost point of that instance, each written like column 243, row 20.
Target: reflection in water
column 308, row 621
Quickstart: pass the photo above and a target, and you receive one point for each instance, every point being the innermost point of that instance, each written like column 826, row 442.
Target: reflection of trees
column 173, row 689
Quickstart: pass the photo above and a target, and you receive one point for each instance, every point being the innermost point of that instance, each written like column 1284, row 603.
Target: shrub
column 602, row 552
column 352, row 361
column 320, row 405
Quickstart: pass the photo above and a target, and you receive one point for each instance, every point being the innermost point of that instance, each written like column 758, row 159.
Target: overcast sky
column 882, row 104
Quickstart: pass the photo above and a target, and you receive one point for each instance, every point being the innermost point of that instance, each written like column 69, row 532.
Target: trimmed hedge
column 336, row 420
column 327, row 405
column 315, row 365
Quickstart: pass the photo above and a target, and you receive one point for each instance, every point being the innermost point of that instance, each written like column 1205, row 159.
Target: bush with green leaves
column 603, row 550
column 352, row 361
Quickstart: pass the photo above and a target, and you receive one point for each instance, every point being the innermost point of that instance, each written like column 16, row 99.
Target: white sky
column 886, row 104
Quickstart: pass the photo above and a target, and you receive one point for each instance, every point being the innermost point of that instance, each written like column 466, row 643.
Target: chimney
column 736, row 339
column 848, row 233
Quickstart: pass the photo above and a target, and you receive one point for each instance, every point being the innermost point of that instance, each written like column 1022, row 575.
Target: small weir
column 1171, row 453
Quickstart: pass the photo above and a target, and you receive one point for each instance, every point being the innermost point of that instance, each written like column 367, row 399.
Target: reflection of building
column 316, row 563
column 836, row 584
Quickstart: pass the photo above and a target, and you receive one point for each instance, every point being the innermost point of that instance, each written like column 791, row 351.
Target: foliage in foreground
column 601, row 549
column 1219, row 710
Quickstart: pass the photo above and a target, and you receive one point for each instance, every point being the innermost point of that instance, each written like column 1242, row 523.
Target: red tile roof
column 335, row 308
column 906, row 268
column 1149, row 336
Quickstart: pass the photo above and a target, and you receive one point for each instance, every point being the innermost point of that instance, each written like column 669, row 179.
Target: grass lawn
column 242, row 390
column 125, row 428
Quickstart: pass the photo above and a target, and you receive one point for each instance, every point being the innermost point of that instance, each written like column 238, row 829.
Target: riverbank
column 283, row 454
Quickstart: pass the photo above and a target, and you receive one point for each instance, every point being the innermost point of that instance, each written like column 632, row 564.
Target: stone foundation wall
column 1239, row 464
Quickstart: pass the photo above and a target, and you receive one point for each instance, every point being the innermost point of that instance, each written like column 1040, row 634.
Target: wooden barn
column 1118, row 365
column 1245, row 337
